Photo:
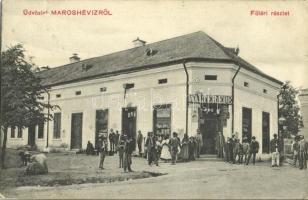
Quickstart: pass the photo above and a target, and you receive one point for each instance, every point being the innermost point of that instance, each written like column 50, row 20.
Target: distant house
column 174, row 85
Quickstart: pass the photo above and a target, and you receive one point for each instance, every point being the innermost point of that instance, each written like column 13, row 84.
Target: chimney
column 138, row 43
column 237, row 51
column 74, row 58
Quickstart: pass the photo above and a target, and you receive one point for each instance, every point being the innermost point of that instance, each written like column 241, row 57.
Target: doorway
column 76, row 132
column 31, row 136
column 129, row 119
column 209, row 129
column 101, row 124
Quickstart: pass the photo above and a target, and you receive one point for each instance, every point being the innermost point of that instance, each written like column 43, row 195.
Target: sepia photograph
column 136, row 99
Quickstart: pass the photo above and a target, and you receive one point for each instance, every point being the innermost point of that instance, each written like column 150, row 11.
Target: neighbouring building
column 179, row 84
column 303, row 97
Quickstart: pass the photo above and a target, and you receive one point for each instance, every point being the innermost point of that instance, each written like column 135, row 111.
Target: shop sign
column 202, row 98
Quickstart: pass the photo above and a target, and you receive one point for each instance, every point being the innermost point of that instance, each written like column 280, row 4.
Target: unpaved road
column 198, row 179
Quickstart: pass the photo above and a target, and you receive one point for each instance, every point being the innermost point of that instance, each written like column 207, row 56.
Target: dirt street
column 198, row 179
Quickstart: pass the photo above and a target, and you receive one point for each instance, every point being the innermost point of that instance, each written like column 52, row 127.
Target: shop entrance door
column 129, row 119
column 209, row 130
column 101, row 124
column 76, row 132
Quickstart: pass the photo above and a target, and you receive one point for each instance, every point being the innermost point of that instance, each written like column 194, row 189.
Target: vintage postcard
column 175, row 99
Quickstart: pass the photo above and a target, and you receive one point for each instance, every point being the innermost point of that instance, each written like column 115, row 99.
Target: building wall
column 254, row 98
column 147, row 93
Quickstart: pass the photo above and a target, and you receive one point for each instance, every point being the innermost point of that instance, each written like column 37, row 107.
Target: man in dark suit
column 139, row 142
column 175, row 145
column 253, row 150
column 111, row 141
column 128, row 150
column 275, row 150
column 116, row 140
column 151, row 148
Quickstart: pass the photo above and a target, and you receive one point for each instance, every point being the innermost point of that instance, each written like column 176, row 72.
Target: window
column 265, row 91
column 40, row 133
column 57, row 125
column 265, row 132
column 12, row 132
column 210, row 77
column 19, row 133
column 246, row 84
column 58, row 95
column 162, row 119
column 127, row 86
column 246, row 123
column 103, row 89
column 78, row 92
column 162, row 81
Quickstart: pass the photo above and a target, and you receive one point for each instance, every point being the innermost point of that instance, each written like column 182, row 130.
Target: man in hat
column 175, row 144
column 150, row 143
column 116, row 140
column 253, row 150
column 295, row 149
column 199, row 143
column 128, row 150
column 231, row 148
column 275, row 149
column 303, row 153
column 102, row 149
column 111, row 141
column 139, row 142
column 245, row 147
column 220, row 141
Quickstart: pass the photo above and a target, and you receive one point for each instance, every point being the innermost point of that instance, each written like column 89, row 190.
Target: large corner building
column 179, row 84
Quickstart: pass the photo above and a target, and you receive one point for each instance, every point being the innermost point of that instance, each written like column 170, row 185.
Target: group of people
column 165, row 148
column 300, row 152
column 161, row 147
column 124, row 146
column 235, row 152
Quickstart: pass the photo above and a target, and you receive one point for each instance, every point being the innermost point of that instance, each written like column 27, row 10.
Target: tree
column 289, row 110
column 21, row 92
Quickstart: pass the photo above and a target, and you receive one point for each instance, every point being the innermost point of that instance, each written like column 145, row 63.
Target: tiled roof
column 192, row 47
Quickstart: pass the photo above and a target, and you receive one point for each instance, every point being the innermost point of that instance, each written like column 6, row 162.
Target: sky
column 277, row 45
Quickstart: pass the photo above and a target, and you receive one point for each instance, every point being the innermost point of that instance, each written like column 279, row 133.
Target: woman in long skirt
column 165, row 152
column 185, row 148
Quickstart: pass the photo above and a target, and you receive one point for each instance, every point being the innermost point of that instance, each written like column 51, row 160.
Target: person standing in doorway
column 303, row 153
column 199, row 143
column 253, row 150
column 175, row 144
column 275, row 149
column 139, row 142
